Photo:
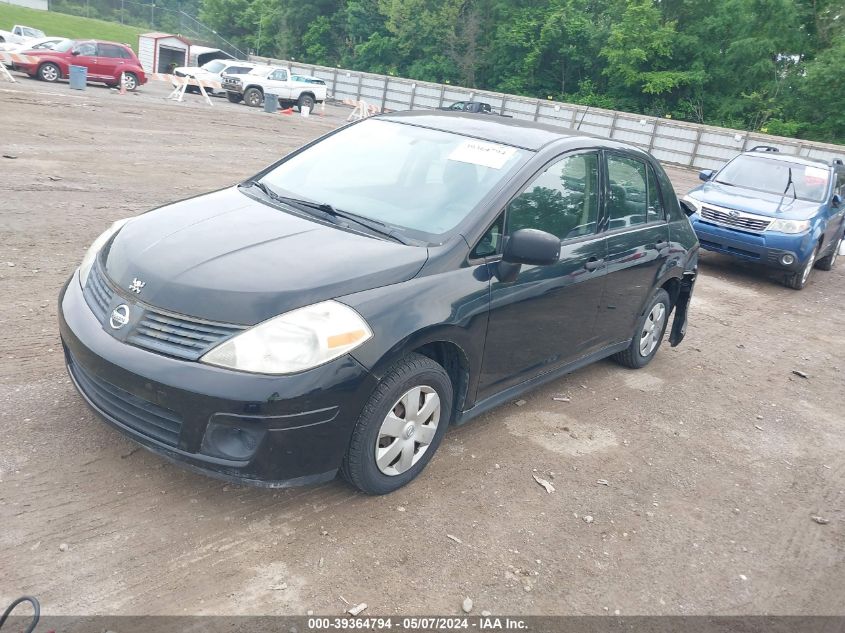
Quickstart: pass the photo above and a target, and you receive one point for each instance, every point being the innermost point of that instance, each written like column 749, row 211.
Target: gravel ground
column 716, row 456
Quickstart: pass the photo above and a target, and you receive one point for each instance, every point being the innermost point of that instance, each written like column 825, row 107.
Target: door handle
column 594, row 263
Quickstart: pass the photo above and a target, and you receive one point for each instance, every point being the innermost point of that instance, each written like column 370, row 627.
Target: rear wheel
column 829, row 261
column 130, row 80
column 401, row 426
column 797, row 281
column 253, row 97
column 49, row 72
column 234, row 97
column 305, row 101
column 648, row 335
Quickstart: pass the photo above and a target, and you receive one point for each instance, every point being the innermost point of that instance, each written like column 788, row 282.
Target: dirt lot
column 717, row 455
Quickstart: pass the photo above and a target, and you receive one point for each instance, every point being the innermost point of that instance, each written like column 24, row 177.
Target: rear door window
column 655, row 210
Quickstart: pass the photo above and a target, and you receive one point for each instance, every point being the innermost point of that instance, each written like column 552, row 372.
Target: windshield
column 420, row 180
column 773, row 176
column 64, row 46
column 214, row 66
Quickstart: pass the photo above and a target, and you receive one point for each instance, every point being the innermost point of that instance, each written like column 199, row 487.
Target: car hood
column 227, row 257
column 191, row 70
column 753, row 201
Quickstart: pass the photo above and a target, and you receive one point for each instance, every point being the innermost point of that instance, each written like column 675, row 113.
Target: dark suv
column 340, row 309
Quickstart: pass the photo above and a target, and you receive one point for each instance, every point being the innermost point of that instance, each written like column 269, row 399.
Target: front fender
column 451, row 307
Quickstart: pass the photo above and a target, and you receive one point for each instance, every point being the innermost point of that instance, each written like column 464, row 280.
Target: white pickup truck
column 290, row 89
column 20, row 34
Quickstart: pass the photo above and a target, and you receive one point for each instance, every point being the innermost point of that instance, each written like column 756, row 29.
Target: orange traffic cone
column 288, row 111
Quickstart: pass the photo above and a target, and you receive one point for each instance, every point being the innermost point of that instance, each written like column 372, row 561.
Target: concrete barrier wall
column 680, row 143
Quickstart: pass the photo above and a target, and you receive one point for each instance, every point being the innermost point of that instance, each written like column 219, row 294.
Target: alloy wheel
column 49, row 72
column 408, row 430
column 805, row 274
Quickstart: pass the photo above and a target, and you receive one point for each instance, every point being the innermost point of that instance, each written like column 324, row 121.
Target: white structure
column 41, row 5
column 160, row 52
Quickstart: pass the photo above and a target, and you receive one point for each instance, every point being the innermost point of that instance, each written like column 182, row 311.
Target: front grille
column 136, row 413
column 98, row 294
column 178, row 335
column 158, row 330
column 744, row 221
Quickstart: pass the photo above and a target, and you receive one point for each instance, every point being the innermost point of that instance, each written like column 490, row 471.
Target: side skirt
column 517, row 390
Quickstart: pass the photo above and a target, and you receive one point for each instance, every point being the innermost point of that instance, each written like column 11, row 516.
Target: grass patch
column 74, row 27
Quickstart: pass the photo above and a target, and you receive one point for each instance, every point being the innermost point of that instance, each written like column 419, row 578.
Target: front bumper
column 271, row 431
column 765, row 248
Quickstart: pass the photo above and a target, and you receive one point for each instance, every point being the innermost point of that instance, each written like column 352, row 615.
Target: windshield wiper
column 373, row 225
column 790, row 182
column 327, row 209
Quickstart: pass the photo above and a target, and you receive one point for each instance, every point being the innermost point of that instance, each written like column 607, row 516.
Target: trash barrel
column 78, row 76
column 271, row 102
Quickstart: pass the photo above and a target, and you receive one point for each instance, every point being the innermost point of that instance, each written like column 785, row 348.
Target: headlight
column 91, row 253
column 695, row 204
column 789, row 226
column 294, row 341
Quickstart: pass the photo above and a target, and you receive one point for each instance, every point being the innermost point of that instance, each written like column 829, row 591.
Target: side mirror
column 686, row 207
column 75, row 52
column 706, row 174
column 527, row 246
column 836, row 201
column 530, row 246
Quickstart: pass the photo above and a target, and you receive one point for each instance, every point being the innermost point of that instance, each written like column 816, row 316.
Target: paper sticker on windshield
column 815, row 176
column 483, row 154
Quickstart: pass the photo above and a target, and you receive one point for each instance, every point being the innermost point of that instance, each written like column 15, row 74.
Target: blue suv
column 786, row 212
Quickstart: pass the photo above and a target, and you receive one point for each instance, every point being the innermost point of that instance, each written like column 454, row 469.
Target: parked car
column 20, row 34
column 214, row 71
column 105, row 61
column 785, row 212
column 344, row 306
column 41, row 43
column 469, row 106
column 290, row 89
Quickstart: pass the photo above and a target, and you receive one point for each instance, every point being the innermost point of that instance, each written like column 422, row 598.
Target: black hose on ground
column 36, row 608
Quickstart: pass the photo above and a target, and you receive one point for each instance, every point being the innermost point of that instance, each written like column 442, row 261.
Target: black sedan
column 339, row 310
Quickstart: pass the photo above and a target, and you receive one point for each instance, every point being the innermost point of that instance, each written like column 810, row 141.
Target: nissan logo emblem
column 119, row 316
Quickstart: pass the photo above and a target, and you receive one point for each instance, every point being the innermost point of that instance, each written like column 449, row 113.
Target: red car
column 105, row 62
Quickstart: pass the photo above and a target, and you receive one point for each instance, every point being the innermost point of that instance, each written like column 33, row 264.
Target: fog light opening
column 787, row 259
column 230, row 442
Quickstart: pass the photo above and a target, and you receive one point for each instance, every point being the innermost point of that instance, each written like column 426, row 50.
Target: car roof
column 790, row 158
column 496, row 129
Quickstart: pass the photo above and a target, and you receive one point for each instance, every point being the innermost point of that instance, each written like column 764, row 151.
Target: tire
column 798, row 281
column 648, row 335
column 253, row 97
column 305, row 101
column 130, row 80
column 49, row 72
column 234, row 97
column 384, row 425
column 828, row 262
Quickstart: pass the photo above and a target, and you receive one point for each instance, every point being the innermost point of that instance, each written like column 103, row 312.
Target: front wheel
column 49, row 72
column 648, row 334
column 828, row 262
column 797, row 281
column 400, row 427
column 253, row 97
